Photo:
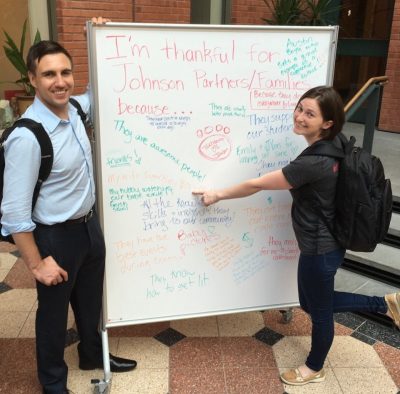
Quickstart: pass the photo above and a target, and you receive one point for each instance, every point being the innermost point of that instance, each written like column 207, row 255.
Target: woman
column 319, row 115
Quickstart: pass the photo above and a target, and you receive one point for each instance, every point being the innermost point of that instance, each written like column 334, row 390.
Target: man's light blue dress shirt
column 68, row 192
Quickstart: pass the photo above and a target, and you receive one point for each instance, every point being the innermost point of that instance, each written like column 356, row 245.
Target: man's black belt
column 83, row 219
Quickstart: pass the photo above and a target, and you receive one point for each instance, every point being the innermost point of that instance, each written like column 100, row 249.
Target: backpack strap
column 336, row 149
column 78, row 107
column 46, row 149
column 329, row 148
column 84, row 117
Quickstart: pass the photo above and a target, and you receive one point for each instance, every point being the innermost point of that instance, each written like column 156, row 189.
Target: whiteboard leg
column 103, row 386
column 106, row 354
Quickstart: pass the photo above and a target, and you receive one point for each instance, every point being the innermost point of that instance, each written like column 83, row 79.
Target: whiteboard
column 181, row 107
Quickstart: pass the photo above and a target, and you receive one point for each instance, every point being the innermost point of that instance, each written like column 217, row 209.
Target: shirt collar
column 48, row 118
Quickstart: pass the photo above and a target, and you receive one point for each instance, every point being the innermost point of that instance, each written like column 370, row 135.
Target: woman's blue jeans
column 316, row 277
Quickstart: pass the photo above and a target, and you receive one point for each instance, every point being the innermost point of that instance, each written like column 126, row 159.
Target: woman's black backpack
column 363, row 195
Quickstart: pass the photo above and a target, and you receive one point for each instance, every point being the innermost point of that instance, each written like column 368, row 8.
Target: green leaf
column 17, row 60
column 21, row 47
column 10, row 42
column 37, row 37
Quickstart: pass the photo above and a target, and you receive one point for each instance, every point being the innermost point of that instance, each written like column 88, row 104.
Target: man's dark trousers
column 79, row 249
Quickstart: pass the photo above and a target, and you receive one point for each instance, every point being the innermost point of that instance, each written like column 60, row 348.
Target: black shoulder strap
column 78, row 107
column 46, row 148
column 328, row 148
column 84, row 117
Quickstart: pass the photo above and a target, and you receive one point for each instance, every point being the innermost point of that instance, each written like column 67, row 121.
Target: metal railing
column 371, row 92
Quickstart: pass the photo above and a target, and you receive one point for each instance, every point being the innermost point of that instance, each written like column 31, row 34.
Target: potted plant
column 284, row 12
column 301, row 12
column 15, row 55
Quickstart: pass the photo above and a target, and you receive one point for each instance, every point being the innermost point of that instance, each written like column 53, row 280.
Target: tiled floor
column 232, row 354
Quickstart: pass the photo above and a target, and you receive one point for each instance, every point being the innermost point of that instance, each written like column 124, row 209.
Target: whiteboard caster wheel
column 287, row 315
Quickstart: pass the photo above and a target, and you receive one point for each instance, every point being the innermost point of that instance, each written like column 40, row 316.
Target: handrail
column 370, row 92
column 375, row 80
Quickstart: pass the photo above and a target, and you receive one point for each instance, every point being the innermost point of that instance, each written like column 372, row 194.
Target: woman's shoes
column 393, row 303
column 294, row 377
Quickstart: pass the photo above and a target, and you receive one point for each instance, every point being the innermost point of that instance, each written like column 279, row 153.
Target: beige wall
column 12, row 16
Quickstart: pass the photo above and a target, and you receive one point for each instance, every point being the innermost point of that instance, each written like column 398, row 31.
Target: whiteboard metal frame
column 91, row 40
column 102, row 386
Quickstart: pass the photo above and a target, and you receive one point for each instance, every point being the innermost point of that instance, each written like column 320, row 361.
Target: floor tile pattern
column 228, row 354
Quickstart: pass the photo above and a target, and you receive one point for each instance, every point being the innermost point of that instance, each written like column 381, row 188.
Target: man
column 61, row 241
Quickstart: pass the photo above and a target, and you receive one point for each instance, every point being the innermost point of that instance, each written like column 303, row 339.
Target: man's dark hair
column 331, row 107
column 41, row 49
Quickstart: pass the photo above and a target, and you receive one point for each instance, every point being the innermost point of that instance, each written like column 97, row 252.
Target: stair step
column 384, row 257
column 394, row 228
